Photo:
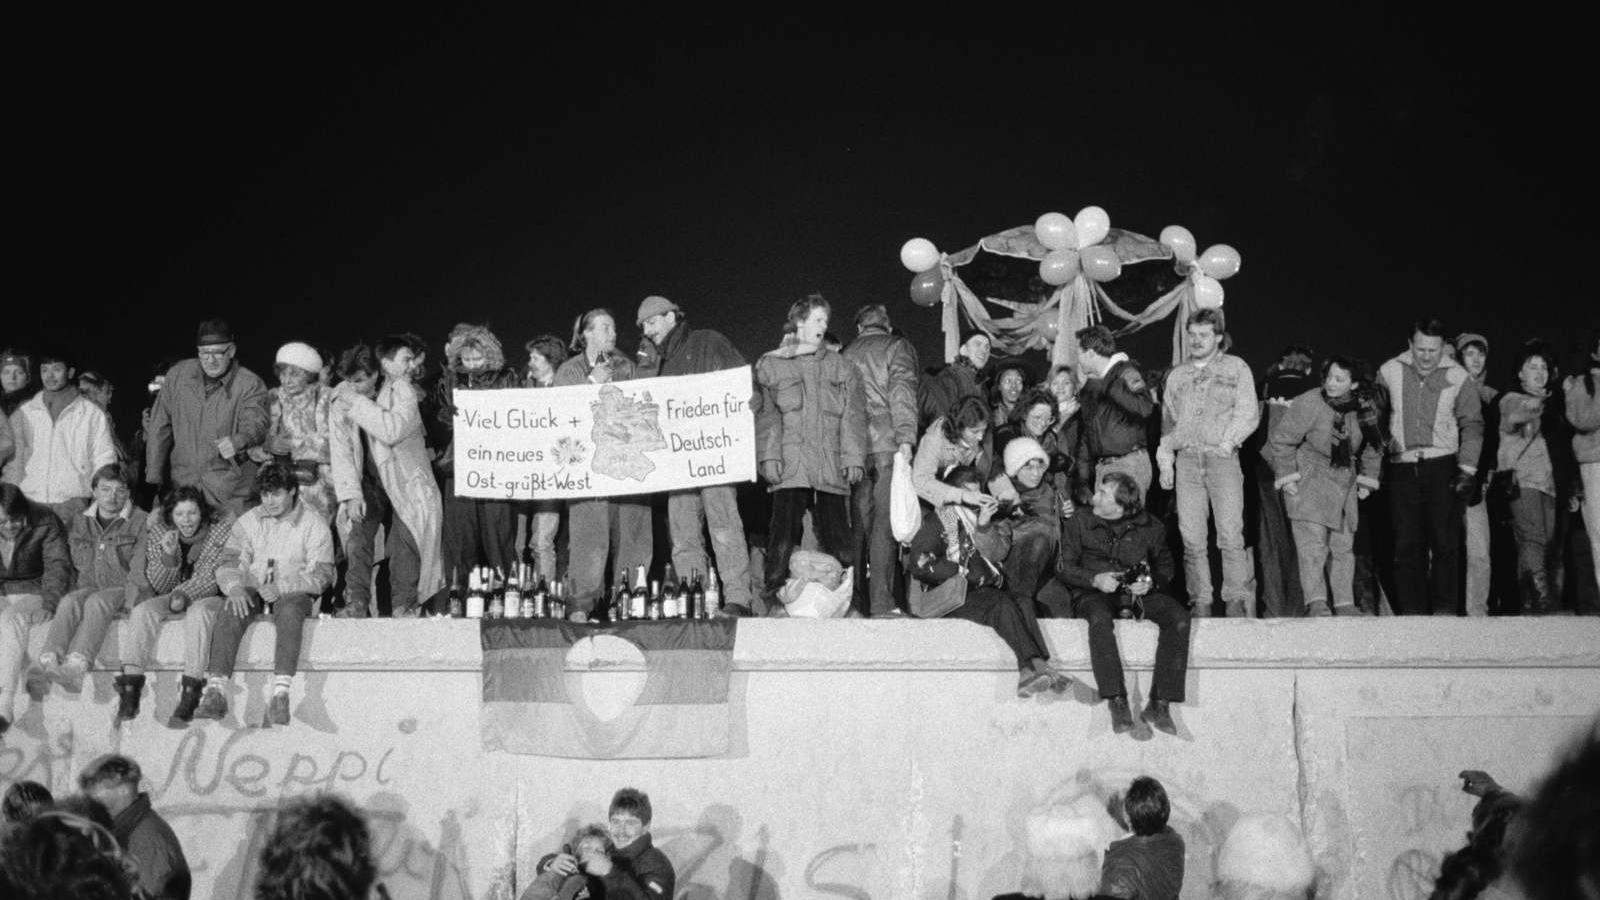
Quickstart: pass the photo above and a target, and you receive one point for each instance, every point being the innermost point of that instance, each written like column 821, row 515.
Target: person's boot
column 188, row 700
column 212, row 704
column 352, row 611
column 129, row 689
column 1121, row 715
column 70, row 674
column 1317, row 609
column 278, row 708
column 1158, row 716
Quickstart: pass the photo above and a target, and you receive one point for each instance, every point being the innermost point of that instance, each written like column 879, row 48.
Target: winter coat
column 40, row 562
column 940, row 392
column 1433, row 415
column 1116, row 410
column 1144, row 867
column 55, row 460
column 296, row 547
column 578, row 370
column 640, row 872
column 151, row 842
column 187, row 420
column 1583, row 414
column 8, row 442
column 1537, row 449
column 695, row 351
column 1091, row 545
column 888, row 366
column 108, row 556
column 191, row 573
column 1209, row 405
column 812, row 417
column 935, row 455
column 393, row 424
column 456, row 379
column 1300, row 449
column 302, row 419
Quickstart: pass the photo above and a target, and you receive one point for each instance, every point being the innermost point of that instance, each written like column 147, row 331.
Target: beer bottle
column 696, row 607
column 713, row 594
column 455, row 607
column 619, row 596
column 537, row 604
column 654, row 608
column 558, row 602
column 669, row 593
column 474, row 604
column 496, row 605
column 639, row 600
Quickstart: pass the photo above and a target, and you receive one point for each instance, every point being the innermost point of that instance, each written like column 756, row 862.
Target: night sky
column 330, row 180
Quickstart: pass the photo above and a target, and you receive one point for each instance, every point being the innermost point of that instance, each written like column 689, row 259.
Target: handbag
column 1503, row 486
column 937, row 601
column 905, row 511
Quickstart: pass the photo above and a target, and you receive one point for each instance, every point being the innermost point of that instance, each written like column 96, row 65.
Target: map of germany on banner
column 601, row 440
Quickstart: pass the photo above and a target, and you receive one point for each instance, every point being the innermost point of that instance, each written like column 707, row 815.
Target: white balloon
column 1055, row 231
column 1180, row 241
column 1093, row 224
column 1207, row 292
column 919, row 255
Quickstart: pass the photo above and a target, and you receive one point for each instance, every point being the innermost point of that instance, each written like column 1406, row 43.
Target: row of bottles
column 521, row 593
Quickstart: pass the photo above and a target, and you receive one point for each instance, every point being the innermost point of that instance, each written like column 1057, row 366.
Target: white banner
column 601, row 440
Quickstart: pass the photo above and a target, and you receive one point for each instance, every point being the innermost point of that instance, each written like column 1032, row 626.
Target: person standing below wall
column 62, row 439
column 635, row 870
column 208, row 415
column 1583, row 414
column 888, row 366
column 35, row 570
column 811, row 440
column 1534, row 447
column 1209, row 411
column 476, row 532
column 1325, row 463
column 592, row 523
column 1149, row 864
column 278, row 560
column 113, row 781
column 1473, row 350
column 1436, row 435
column 682, row 350
column 391, row 442
column 1116, row 412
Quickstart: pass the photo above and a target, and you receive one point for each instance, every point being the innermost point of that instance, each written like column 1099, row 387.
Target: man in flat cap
column 209, row 412
column 682, row 350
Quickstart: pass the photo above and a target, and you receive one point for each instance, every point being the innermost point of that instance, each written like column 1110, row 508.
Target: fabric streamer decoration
column 536, row 700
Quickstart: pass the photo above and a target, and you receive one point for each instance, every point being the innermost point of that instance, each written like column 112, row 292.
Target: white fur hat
column 303, row 356
column 1019, row 451
column 1266, row 851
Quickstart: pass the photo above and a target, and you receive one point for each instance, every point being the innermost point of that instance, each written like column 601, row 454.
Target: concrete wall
column 871, row 759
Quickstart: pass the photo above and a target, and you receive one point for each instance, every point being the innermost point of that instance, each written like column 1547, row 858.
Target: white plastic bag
column 905, row 513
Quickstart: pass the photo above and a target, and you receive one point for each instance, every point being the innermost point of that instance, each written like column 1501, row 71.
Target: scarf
column 955, row 517
column 1342, row 450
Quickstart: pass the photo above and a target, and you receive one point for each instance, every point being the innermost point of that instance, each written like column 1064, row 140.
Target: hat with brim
column 654, row 306
column 213, row 331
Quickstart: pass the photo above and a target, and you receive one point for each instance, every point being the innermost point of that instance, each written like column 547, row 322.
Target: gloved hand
column 1465, row 486
column 1478, row 783
column 772, row 471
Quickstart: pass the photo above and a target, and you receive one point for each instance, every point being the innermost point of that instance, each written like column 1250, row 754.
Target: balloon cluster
column 922, row 258
column 1206, row 270
column 1075, row 247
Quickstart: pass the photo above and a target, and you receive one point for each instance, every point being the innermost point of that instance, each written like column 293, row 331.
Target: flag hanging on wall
column 632, row 690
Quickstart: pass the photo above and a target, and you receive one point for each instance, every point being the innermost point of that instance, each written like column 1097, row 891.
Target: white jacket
column 56, row 460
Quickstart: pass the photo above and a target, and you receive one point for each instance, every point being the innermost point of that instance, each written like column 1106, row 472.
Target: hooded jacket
column 888, row 366
column 494, row 375
column 811, row 416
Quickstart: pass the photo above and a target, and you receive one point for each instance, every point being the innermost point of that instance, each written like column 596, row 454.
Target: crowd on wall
column 1321, row 488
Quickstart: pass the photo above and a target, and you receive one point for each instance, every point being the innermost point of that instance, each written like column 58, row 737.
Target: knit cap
column 1020, row 451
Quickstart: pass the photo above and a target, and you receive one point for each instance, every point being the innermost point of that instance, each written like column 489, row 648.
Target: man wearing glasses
column 209, row 412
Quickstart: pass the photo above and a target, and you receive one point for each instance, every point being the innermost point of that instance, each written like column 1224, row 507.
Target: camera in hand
column 1131, row 606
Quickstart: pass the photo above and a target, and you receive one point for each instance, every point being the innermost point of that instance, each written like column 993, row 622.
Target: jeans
column 81, row 621
column 144, row 627
column 590, row 524
column 1327, row 561
column 689, row 515
column 405, row 562
column 1426, row 518
column 1480, row 570
column 544, row 520
column 1279, row 580
column 832, row 516
column 1172, row 644
column 1533, row 522
column 1590, row 472
column 18, row 613
column 875, row 540
column 1212, row 486
column 288, row 617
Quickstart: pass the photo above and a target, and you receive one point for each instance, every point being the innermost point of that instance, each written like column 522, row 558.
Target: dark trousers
column 405, row 560
column 1031, row 560
column 1005, row 613
column 1426, row 520
column 477, row 532
column 288, row 617
column 1275, row 554
column 830, row 516
column 875, row 541
column 1100, row 609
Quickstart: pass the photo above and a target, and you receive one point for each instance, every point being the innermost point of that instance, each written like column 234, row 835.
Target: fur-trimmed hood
column 468, row 333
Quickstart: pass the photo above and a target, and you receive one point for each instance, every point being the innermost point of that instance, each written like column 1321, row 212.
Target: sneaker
column 278, row 709
column 1235, row 609
column 734, row 611
column 1121, row 715
column 1348, row 610
column 1158, row 715
column 1317, row 609
column 70, row 674
column 212, row 705
column 1031, row 682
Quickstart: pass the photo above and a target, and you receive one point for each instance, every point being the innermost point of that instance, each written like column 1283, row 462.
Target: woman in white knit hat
column 297, row 433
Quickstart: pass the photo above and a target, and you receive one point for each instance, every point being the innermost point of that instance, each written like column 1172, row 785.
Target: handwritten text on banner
column 600, row 440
